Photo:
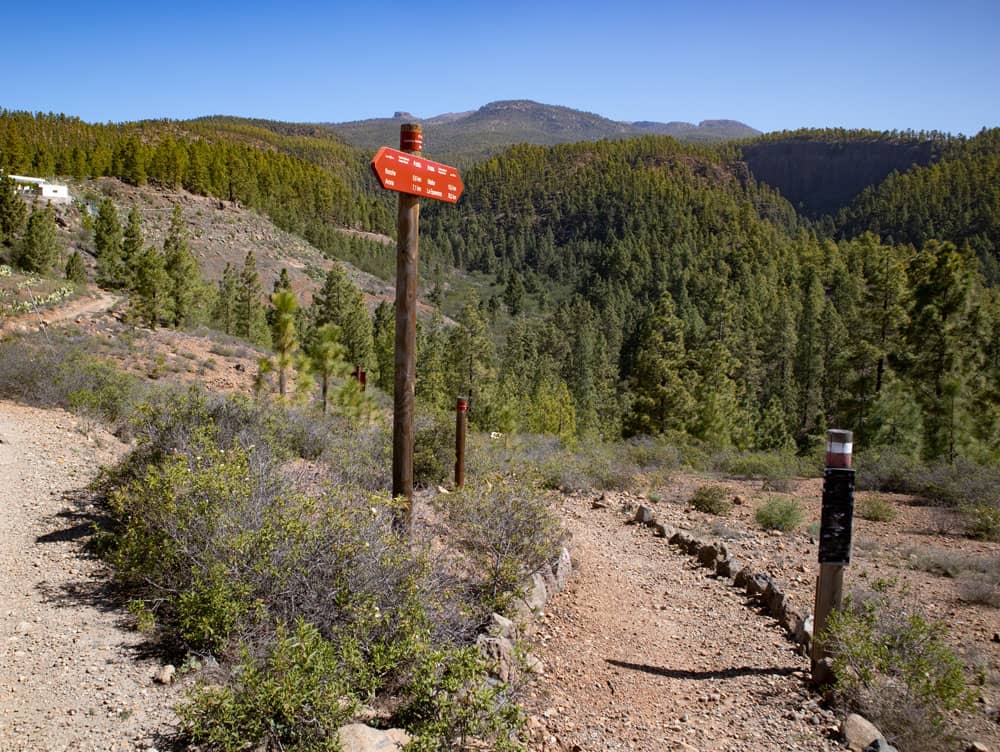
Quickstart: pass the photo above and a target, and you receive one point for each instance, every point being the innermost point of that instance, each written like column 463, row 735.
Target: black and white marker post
column 836, row 527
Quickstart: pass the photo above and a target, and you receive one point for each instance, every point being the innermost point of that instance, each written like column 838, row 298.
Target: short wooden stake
column 834, row 545
column 461, row 416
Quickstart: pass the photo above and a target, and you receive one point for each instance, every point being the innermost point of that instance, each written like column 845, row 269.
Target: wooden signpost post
column 407, row 172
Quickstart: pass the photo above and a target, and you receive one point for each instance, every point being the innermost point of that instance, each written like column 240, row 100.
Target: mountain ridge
column 480, row 133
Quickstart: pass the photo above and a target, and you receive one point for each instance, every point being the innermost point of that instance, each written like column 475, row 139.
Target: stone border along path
column 760, row 587
column 72, row 675
column 643, row 653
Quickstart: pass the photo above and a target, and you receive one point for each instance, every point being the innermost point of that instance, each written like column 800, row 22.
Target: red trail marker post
column 405, row 171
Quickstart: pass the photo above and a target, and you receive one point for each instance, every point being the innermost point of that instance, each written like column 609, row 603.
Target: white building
column 54, row 193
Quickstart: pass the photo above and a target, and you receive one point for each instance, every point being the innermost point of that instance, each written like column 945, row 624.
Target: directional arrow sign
column 398, row 171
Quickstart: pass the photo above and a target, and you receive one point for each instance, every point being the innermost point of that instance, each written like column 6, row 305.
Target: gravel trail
column 72, row 676
column 645, row 652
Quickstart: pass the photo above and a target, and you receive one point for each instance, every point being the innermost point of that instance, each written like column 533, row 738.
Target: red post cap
column 839, row 448
column 463, row 404
column 411, row 137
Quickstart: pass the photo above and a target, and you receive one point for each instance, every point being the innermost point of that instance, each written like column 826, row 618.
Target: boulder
column 757, row 584
column 663, row 531
column 537, row 594
column 708, row 555
column 501, row 626
column 500, row 652
column 680, row 539
column 742, row 577
column 880, row 745
column 563, row 568
column 727, row 567
column 774, row 600
column 357, row 737
column 859, row 732
column 643, row 515
column 790, row 619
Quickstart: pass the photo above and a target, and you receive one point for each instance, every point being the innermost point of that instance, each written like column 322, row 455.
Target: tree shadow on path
column 726, row 673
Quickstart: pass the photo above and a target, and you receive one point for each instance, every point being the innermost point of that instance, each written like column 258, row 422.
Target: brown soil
column 647, row 651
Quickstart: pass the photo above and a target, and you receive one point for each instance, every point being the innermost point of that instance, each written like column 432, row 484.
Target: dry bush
column 893, row 666
column 951, row 563
column 979, row 588
column 506, row 533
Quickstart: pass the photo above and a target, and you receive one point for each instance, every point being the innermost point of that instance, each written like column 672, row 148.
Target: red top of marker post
column 411, row 137
column 839, row 448
column 463, row 404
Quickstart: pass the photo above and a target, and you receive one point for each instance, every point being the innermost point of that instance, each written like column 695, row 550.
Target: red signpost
column 406, row 171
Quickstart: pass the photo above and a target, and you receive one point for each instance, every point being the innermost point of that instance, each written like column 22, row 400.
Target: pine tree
column 327, row 356
column 133, row 162
column 250, row 321
column 936, row 362
column 659, row 384
column 76, row 272
column 108, row 246
column 183, row 272
column 224, row 310
column 281, row 283
column 39, row 248
column 513, row 295
column 150, row 299
column 283, row 334
column 471, row 369
column 131, row 247
column 384, row 340
column 340, row 302
column 13, row 212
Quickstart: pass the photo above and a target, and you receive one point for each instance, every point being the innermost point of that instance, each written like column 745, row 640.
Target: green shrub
column 295, row 698
column 433, row 449
column 711, row 500
column 453, row 706
column 60, row 371
column 876, row 509
column 984, row 521
column 779, row 514
column 507, row 534
column 893, row 666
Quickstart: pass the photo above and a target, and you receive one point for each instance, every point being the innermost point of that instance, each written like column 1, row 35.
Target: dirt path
column 72, row 677
column 97, row 301
column 644, row 652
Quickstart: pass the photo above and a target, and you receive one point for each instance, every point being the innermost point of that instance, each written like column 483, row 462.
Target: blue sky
column 773, row 65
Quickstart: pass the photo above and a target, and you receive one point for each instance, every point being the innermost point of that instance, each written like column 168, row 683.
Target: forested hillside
column 680, row 295
column 307, row 184
column 820, row 171
column 645, row 287
column 957, row 198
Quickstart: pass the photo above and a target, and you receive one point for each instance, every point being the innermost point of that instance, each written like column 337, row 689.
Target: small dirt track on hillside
column 72, row 677
column 645, row 652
